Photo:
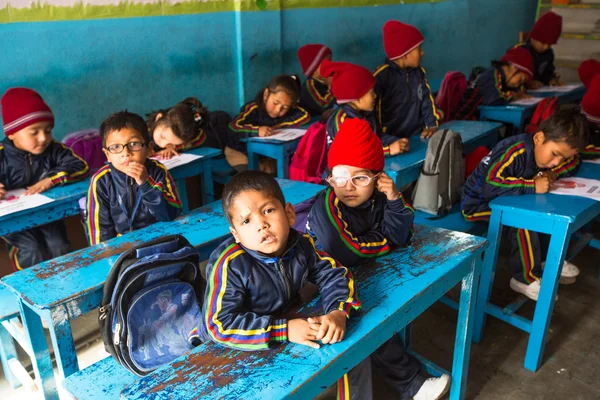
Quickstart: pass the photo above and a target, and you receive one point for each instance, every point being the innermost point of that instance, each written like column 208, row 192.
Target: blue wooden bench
column 414, row 277
column 69, row 286
column 9, row 310
column 556, row 215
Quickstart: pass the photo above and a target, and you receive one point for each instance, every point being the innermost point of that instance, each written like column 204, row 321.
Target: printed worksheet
column 15, row 201
column 526, row 102
column 181, row 159
column 566, row 88
column 581, row 187
column 594, row 161
column 285, row 135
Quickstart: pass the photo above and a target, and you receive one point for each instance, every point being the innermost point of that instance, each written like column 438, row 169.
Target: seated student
column 352, row 86
column 30, row 159
column 590, row 107
column 182, row 127
column 253, row 275
column 315, row 96
column 360, row 217
column 545, row 33
column 275, row 106
column 498, row 85
column 405, row 107
column 131, row 191
column 527, row 164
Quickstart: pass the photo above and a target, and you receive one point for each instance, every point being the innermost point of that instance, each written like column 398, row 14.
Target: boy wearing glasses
column 360, row 217
column 30, row 159
column 131, row 191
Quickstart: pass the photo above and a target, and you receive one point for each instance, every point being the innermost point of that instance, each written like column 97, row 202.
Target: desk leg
column 487, row 274
column 42, row 364
column 7, row 352
column 252, row 160
column 62, row 341
column 283, row 163
column 464, row 330
column 208, row 192
column 559, row 243
column 182, row 190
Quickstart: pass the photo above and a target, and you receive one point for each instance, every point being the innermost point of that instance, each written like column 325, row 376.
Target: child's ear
column 265, row 94
column 158, row 116
column 539, row 137
column 235, row 234
column 290, row 213
column 106, row 153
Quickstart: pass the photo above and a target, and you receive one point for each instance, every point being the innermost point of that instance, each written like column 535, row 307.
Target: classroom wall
column 88, row 68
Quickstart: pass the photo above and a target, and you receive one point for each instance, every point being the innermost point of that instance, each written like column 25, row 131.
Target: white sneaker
column 532, row 290
column 569, row 270
column 433, row 388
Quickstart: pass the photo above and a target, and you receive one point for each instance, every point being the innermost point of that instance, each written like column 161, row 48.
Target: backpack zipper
column 116, row 337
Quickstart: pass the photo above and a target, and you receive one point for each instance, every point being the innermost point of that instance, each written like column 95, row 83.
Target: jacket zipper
column 28, row 164
column 286, row 281
column 130, row 187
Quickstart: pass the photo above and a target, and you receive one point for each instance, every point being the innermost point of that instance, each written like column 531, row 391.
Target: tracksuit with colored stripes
column 247, row 292
column 592, row 150
column 509, row 170
column 116, row 204
column 316, row 97
column 543, row 63
column 355, row 235
column 488, row 89
column 20, row 169
column 405, row 104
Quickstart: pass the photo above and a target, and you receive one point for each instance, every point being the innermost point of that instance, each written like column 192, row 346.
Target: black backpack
column 151, row 311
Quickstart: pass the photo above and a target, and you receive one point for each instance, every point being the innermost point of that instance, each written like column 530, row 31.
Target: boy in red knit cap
column 405, row 107
column 352, row 86
column 30, row 159
column 365, row 204
column 590, row 107
column 545, row 33
column 315, row 96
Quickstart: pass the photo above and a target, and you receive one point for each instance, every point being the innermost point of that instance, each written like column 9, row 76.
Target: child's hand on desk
column 39, row 187
column 138, row 172
column 556, row 82
column 303, row 332
column 535, row 85
column 2, row 191
column 386, row 185
column 265, row 131
column 167, row 153
column 542, row 184
column 333, row 327
column 399, row 146
column 521, row 95
column 428, row 132
column 551, row 175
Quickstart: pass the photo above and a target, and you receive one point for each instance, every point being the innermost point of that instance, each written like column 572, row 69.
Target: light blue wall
column 87, row 69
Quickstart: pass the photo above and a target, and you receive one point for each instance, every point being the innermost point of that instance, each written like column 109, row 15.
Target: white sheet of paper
column 285, row 135
column 595, row 161
column 16, row 201
column 566, row 88
column 543, row 89
column 181, row 159
column 581, row 187
column 526, row 102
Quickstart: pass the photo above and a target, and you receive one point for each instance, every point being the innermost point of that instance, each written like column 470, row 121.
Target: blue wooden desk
column 405, row 168
column 514, row 115
column 394, row 290
column 574, row 95
column 556, row 215
column 69, row 286
column 280, row 151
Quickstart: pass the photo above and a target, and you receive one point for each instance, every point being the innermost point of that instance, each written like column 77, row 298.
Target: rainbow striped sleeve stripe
column 506, row 95
column 93, row 206
column 567, row 166
column 479, row 216
column 303, row 118
column 254, row 339
column 240, row 125
column 386, row 151
column 323, row 101
column 194, row 143
column 434, row 109
column 527, row 255
column 64, row 177
column 170, row 192
column 367, row 250
column 495, row 175
column 591, row 150
column 339, row 118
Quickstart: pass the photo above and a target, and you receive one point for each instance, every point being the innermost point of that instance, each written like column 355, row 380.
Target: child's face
column 366, row 102
column 123, row 137
column 277, row 104
column 549, row 154
column 413, row 59
column 538, row 46
column 516, row 77
column 352, row 195
column 33, row 139
column 164, row 136
column 260, row 222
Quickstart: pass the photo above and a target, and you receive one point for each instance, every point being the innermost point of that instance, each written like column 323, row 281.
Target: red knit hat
column 311, row 56
column 356, row 145
column 587, row 70
column 520, row 58
column 590, row 104
column 22, row 107
column 350, row 82
column 400, row 39
column 547, row 29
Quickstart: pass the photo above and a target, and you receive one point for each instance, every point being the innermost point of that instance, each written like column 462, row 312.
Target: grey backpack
column 443, row 174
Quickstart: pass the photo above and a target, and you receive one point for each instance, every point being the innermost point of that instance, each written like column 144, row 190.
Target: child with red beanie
column 315, row 95
column 590, row 107
column 352, row 86
column 30, row 159
column 405, row 107
column 497, row 85
column 587, row 70
column 545, row 33
column 360, row 217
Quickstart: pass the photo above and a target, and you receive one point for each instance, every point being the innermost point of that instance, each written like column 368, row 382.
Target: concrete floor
column 571, row 369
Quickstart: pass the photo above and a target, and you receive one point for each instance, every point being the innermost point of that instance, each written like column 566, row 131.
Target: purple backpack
column 87, row 144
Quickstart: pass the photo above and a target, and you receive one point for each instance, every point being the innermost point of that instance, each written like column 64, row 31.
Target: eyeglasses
column 131, row 146
column 357, row 180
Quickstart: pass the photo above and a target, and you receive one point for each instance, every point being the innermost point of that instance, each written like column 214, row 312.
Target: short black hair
column 249, row 180
column 121, row 120
column 567, row 125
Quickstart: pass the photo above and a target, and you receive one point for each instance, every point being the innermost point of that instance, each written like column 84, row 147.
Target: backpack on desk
column 151, row 310
column 543, row 111
column 443, row 175
column 87, row 144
